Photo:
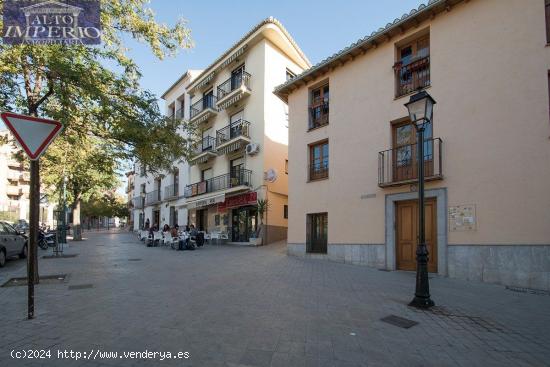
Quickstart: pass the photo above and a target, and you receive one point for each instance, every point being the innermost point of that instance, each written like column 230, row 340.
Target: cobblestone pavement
column 237, row 306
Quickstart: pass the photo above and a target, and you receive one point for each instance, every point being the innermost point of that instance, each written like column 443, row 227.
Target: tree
column 97, row 106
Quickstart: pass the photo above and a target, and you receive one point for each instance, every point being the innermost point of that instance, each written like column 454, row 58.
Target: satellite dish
column 271, row 175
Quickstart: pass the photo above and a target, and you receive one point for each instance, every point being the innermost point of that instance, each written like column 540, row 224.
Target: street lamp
column 420, row 108
column 142, row 196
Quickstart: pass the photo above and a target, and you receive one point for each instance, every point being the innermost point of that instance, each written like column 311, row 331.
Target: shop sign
column 206, row 202
column 239, row 200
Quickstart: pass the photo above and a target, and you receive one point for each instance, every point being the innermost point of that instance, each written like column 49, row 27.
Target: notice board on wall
column 462, row 218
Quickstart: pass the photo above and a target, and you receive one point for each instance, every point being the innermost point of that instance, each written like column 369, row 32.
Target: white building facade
column 159, row 197
column 242, row 155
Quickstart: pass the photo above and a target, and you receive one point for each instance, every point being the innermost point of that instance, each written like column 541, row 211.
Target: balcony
column 137, row 201
column 13, row 175
column 233, row 90
column 24, row 190
column 318, row 170
column 238, row 178
column 180, row 113
column 318, row 113
column 171, row 192
column 412, row 76
column 399, row 166
column 25, row 176
column 203, row 109
column 152, row 197
column 12, row 190
column 233, row 136
column 204, row 150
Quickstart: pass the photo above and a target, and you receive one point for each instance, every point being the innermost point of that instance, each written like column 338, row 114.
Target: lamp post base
column 422, row 302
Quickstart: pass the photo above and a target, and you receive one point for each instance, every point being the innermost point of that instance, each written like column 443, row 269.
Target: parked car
column 12, row 243
column 22, row 226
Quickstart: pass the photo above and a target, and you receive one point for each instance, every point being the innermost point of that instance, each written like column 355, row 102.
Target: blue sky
column 319, row 27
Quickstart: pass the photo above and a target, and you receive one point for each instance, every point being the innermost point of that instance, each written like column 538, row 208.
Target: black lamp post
column 142, row 196
column 420, row 108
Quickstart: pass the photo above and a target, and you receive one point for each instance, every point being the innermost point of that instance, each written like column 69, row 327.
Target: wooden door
column 407, row 233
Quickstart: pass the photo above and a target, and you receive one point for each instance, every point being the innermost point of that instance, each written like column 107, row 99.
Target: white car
column 12, row 243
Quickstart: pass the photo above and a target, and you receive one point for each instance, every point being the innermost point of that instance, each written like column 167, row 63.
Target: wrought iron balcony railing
column 232, row 131
column 238, row 177
column 234, row 82
column 318, row 113
column 318, row 170
column 206, row 144
column 180, row 113
column 137, row 201
column 412, row 76
column 399, row 166
column 152, row 197
column 208, row 101
column 171, row 191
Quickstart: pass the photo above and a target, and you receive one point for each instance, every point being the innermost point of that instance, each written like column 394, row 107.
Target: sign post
column 33, row 135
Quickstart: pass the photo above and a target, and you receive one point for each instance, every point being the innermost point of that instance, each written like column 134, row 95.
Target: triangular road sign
column 32, row 133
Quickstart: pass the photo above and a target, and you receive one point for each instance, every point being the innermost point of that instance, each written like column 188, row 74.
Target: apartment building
column 352, row 148
column 130, row 187
column 242, row 155
column 15, row 186
column 158, row 197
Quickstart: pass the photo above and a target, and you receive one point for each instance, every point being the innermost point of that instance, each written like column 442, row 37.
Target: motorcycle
column 46, row 239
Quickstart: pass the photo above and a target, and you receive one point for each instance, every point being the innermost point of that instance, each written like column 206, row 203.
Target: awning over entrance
column 204, row 202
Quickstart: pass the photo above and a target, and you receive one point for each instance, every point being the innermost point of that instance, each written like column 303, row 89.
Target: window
column 412, row 68
column 285, row 211
column 142, row 170
column 208, row 99
column 290, row 75
column 286, row 166
column 316, row 232
column 319, row 107
column 176, row 182
column 547, row 11
column 318, row 161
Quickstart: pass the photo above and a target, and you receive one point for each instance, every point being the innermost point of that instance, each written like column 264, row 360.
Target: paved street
column 236, row 306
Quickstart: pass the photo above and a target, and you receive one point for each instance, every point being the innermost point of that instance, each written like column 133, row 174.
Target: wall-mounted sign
column 250, row 198
column 206, row 202
column 462, row 218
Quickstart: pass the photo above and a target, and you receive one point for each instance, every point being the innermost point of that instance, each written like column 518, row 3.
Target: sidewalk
column 237, row 306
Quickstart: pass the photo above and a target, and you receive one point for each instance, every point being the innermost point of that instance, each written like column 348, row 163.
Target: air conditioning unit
column 252, row 149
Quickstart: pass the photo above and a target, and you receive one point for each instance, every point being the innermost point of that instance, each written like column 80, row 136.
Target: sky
column 320, row 28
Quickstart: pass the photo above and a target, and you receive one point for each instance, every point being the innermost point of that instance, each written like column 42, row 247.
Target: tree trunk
column 77, row 228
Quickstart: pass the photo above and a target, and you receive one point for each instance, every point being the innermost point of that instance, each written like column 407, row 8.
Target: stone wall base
column 526, row 266
column 276, row 234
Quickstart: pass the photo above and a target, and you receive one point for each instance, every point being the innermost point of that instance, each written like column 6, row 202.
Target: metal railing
column 234, row 82
column 236, row 178
column 412, row 76
column 171, row 191
column 400, row 165
column 318, row 114
column 208, row 101
column 180, row 113
column 152, row 197
column 318, row 170
column 205, row 144
column 138, row 203
column 232, row 131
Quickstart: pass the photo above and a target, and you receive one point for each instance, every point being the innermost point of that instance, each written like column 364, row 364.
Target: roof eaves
column 422, row 8
column 270, row 20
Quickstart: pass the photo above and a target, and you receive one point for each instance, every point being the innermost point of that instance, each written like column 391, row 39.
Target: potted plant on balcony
column 263, row 207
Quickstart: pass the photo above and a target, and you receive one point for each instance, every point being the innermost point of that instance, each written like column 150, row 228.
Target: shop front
column 242, row 209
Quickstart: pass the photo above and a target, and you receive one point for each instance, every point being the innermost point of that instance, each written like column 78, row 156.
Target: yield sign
column 32, row 133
